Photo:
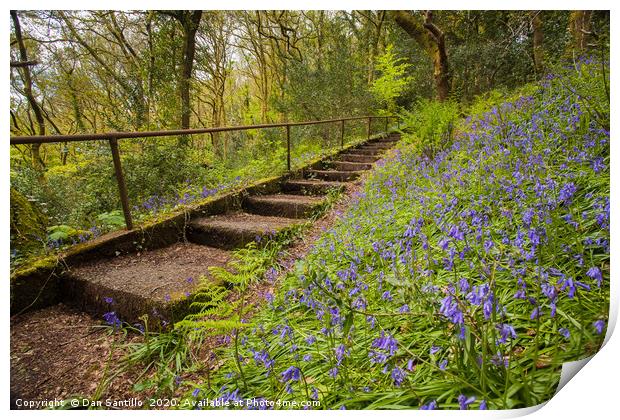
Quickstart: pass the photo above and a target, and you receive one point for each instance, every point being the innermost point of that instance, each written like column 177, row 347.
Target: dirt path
column 59, row 353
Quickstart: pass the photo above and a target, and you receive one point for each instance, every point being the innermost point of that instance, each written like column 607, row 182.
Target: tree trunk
column 220, row 143
column 579, row 28
column 375, row 45
column 431, row 39
column 190, row 22
column 37, row 160
column 537, row 42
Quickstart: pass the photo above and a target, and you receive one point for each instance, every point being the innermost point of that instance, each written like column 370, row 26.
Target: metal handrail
column 113, row 138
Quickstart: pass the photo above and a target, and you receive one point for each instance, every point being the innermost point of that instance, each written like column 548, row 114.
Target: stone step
column 283, row 205
column 390, row 139
column 352, row 157
column 331, row 175
column 344, row 165
column 383, row 142
column 311, row 186
column 374, row 147
column 154, row 282
column 234, row 230
column 368, row 152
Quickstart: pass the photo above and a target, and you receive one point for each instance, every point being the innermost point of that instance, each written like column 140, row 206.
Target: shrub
column 430, row 126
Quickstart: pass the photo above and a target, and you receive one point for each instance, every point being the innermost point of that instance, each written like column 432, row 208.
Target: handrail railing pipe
column 114, row 137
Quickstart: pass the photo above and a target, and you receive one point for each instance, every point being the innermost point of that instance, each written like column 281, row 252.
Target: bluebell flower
column 387, row 346
column 598, row 165
column 371, row 321
column 398, row 376
column 430, row 406
column 292, row 373
column 112, row 319
column 567, row 192
column 230, row 396
column 463, row 285
column 528, row 215
column 487, row 307
column 464, row 401
column 335, row 315
column 506, row 331
column 599, row 326
column 262, row 357
column 443, row 243
column 450, row 309
column 595, row 273
column 340, row 352
column 456, row 233
column 359, row 304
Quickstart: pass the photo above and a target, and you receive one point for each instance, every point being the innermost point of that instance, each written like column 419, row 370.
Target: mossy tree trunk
column 432, row 40
column 28, row 223
column 579, row 28
column 189, row 21
column 537, row 41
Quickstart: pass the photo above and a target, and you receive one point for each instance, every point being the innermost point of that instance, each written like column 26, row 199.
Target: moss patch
column 28, row 223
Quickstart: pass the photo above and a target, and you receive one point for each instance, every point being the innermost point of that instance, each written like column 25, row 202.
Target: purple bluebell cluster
column 112, row 319
column 453, row 267
column 190, row 193
column 383, row 348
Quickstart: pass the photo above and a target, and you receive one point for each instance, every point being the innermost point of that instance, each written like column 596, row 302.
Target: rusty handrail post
column 368, row 129
column 386, row 124
column 120, row 179
column 288, row 147
column 398, row 122
column 342, row 134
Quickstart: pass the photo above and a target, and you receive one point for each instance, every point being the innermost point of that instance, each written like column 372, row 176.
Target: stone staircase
column 159, row 279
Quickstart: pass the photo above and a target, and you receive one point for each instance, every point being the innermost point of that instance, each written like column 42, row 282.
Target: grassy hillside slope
column 458, row 280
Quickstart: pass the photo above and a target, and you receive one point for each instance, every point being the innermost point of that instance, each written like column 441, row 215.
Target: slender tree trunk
column 37, row 160
column 441, row 71
column 537, row 42
column 219, row 119
column 151, row 67
column 190, row 27
column 374, row 47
